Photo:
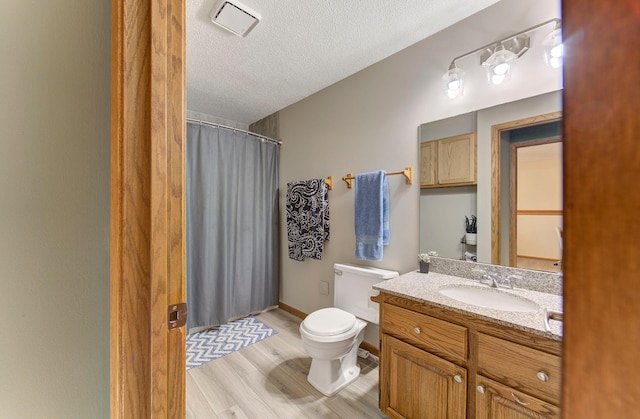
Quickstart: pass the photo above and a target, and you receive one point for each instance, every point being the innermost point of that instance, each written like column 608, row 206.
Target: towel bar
column 329, row 181
column 407, row 172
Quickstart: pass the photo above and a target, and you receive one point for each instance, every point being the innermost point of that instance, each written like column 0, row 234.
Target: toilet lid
column 329, row 321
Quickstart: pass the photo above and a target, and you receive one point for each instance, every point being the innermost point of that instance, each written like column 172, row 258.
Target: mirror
column 529, row 213
column 518, row 196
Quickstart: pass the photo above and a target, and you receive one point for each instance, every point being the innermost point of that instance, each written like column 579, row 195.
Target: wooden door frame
column 513, row 191
column 147, row 208
column 496, row 170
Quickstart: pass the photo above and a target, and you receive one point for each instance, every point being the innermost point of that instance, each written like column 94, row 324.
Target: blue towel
column 371, row 215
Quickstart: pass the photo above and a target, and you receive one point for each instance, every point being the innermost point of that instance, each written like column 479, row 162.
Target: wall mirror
column 526, row 193
column 518, row 195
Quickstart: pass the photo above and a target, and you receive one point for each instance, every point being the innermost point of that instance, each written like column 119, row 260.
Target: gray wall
column 54, row 211
column 369, row 121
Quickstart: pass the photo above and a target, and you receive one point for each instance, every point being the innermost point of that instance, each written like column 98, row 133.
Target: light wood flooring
column 269, row 380
column 538, row 264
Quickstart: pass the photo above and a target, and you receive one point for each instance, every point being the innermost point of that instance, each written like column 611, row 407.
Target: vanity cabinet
column 422, row 385
column 448, row 162
column 438, row 363
column 496, row 400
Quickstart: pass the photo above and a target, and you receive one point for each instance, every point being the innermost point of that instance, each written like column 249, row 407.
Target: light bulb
column 498, row 65
column 454, row 85
column 453, row 82
column 497, row 79
column 501, row 69
column 553, row 48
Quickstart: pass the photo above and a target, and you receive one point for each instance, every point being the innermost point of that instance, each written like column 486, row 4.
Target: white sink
column 489, row 298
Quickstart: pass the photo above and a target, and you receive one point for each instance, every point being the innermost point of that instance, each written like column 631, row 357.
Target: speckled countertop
column 425, row 288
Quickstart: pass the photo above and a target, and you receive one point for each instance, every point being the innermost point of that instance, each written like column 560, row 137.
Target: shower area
column 232, row 224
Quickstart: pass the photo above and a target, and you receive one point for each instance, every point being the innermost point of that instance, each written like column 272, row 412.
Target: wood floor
column 269, row 380
column 538, row 264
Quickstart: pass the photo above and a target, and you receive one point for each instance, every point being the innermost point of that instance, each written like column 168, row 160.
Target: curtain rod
column 213, row 124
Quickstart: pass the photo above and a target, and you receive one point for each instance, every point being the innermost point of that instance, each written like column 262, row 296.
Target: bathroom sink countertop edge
column 426, row 288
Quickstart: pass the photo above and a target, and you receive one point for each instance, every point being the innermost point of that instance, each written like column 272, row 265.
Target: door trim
column 147, row 208
column 496, row 133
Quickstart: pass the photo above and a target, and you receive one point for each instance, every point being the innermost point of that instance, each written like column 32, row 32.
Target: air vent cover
column 234, row 17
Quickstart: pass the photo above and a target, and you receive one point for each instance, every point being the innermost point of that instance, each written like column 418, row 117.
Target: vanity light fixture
column 498, row 57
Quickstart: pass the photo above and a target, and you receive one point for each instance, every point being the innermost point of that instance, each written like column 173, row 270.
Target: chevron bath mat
column 211, row 344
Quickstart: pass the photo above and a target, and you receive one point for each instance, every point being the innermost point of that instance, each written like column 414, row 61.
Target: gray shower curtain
column 232, row 224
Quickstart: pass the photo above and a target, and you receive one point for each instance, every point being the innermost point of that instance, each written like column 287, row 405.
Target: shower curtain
column 232, row 224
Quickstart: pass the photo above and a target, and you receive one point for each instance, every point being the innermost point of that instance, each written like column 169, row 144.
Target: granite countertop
column 424, row 288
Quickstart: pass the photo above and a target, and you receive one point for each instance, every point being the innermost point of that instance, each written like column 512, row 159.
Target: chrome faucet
column 494, row 280
column 489, row 276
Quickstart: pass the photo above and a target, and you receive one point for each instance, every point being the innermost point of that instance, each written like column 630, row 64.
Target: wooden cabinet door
column 457, row 160
column 497, row 401
column 428, row 164
column 417, row 384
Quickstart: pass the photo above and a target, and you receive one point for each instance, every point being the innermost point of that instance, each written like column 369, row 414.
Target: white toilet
column 331, row 336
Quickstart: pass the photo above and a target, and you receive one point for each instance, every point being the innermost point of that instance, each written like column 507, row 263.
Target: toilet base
column 331, row 376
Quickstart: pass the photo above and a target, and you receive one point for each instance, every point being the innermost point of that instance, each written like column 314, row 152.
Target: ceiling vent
column 234, row 17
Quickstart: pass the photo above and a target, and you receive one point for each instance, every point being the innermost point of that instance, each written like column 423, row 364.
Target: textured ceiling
column 300, row 47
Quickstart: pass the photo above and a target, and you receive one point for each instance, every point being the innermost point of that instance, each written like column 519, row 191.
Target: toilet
column 331, row 336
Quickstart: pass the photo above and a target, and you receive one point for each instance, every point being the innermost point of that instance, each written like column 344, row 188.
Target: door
column 457, row 160
column 601, row 201
column 147, row 209
column 421, row 385
column 498, row 401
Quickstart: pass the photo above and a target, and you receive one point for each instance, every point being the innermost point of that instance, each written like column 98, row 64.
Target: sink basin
column 490, row 298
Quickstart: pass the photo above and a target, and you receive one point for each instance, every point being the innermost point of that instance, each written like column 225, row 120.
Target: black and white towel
column 307, row 218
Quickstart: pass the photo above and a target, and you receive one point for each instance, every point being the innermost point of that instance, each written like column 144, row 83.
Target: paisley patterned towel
column 307, row 218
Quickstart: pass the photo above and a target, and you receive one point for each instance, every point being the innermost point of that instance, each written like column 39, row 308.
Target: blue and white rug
column 211, row 344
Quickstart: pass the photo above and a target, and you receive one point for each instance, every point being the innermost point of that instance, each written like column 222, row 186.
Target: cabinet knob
column 416, row 330
column 480, row 389
column 542, row 376
column 457, row 378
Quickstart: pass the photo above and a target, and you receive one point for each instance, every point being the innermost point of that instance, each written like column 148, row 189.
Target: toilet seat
column 329, row 322
column 331, row 325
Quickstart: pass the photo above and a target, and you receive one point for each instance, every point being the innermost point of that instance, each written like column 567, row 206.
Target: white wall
column 540, row 188
column 54, row 211
column 370, row 121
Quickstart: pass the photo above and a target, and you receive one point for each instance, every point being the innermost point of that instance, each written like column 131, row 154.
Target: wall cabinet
column 436, row 363
column 448, row 162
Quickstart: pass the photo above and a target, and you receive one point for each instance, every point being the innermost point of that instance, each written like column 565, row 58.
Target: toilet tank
column 353, row 287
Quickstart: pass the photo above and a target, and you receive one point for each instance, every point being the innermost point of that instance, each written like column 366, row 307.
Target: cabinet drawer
column 436, row 336
column 529, row 370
